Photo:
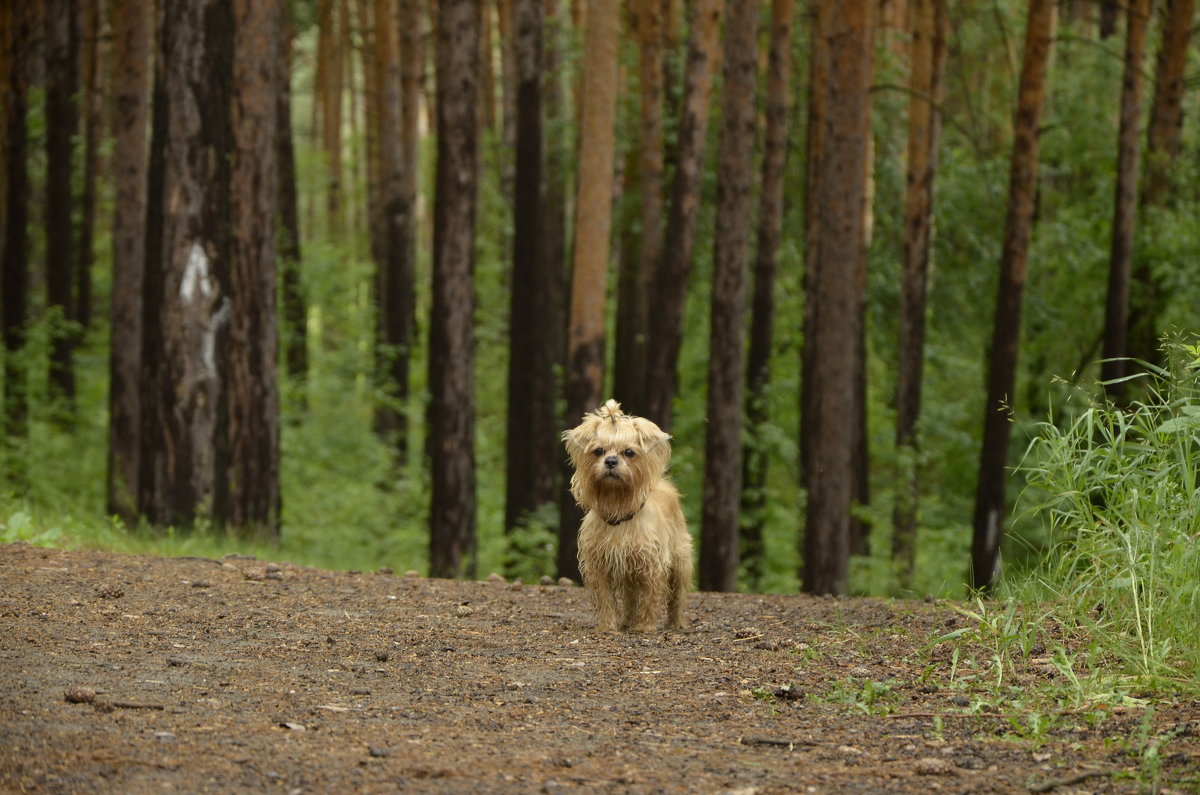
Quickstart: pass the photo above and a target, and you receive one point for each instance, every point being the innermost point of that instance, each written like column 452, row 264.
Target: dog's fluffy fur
column 635, row 553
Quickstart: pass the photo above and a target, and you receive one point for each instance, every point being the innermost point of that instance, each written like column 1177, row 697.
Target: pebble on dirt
column 79, row 695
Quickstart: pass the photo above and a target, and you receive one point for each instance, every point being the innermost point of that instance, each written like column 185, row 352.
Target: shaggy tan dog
column 635, row 553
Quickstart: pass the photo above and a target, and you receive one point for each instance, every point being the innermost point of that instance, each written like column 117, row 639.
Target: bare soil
column 131, row 674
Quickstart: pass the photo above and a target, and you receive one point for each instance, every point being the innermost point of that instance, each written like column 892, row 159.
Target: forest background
column 358, row 475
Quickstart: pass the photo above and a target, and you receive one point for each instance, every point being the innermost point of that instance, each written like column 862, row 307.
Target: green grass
column 1117, row 491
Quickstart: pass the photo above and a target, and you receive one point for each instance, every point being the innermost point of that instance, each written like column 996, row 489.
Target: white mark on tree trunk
column 219, row 320
column 195, row 275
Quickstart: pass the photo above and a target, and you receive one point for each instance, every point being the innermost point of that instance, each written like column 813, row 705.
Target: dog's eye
column 629, row 453
column 599, row 451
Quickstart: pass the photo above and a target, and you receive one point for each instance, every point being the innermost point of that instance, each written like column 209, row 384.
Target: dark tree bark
column 396, row 269
column 132, row 26
column 834, row 289
column 93, row 107
column 371, row 114
column 505, row 22
column 719, row 551
column 554, row 205
column 762, row 324
column 62, row 120
column 532, row 445
column 1165, row 134
column 1018, row 227
column 451, row 383
column 1110, row 12
column 295, row 309
column 593, row 225
column 329, row 98
column 187, row 292
column 1114, row 365
column 1164, row 140
column 629, row 377
column 412, row 81
column 252, row 386
column 929, row 27
column 16, row 241
column 669, row 284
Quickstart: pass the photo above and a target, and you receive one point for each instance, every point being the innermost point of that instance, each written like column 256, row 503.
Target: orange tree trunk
column 593, row 225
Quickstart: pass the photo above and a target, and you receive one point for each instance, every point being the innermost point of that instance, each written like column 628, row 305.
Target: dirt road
column 132, row 674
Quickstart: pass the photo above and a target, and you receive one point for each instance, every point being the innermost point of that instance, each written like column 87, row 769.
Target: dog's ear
column 654, row 440
column 577, row 438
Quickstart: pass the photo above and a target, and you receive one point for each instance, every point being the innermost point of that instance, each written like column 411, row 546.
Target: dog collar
column 624, row 519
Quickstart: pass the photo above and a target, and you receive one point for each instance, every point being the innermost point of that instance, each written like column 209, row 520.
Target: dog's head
column 618, row 458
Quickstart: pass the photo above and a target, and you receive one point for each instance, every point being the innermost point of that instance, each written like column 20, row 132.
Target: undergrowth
column 1117, row 489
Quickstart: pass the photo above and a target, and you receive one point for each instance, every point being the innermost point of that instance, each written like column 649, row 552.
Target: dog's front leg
column 643, row 600
column 606, row 602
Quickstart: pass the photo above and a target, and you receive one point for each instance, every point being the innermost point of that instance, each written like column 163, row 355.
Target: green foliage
column 1117, row 493
column 348, row 503
column 868, row 696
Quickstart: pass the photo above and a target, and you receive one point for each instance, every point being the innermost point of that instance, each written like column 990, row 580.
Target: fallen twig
column 134, row 705
column 789, row 744
column 1055, row 783
column 898, row 715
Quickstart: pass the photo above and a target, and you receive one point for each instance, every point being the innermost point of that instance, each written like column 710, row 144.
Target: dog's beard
column 615, row 494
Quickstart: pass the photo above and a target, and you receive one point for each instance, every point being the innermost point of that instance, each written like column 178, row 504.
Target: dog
column 635, row 553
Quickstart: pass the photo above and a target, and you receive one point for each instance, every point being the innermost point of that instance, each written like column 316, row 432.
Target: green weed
column 1118, row 491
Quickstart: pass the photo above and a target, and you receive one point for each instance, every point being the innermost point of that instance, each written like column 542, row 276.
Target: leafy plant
column 1118, row 491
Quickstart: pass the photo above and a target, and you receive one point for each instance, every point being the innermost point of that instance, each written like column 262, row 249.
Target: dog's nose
column 611, row 462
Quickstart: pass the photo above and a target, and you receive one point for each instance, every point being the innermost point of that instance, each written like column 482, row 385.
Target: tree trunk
column 834, row 289
column 593, row 225
column 132, row 31
column 731, row 254
column 629, row 377
column 555, row 203
column 1018, row 226
column 1164, row 140
column 1114, row 364
column 396, row 271
column 505, row 16
column 16, row 241
column 371, row 113
column 451, row 360
column 1109, row 13
column 532, row 445
column 62, row 81
column 762, row 331
column 329, row 88
column 186, row 302
column 253, row 392
column 295, row 310
column 929, row 28
column 93, row 107
column 554, row 247
column 412, row 80
column 669, row 283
